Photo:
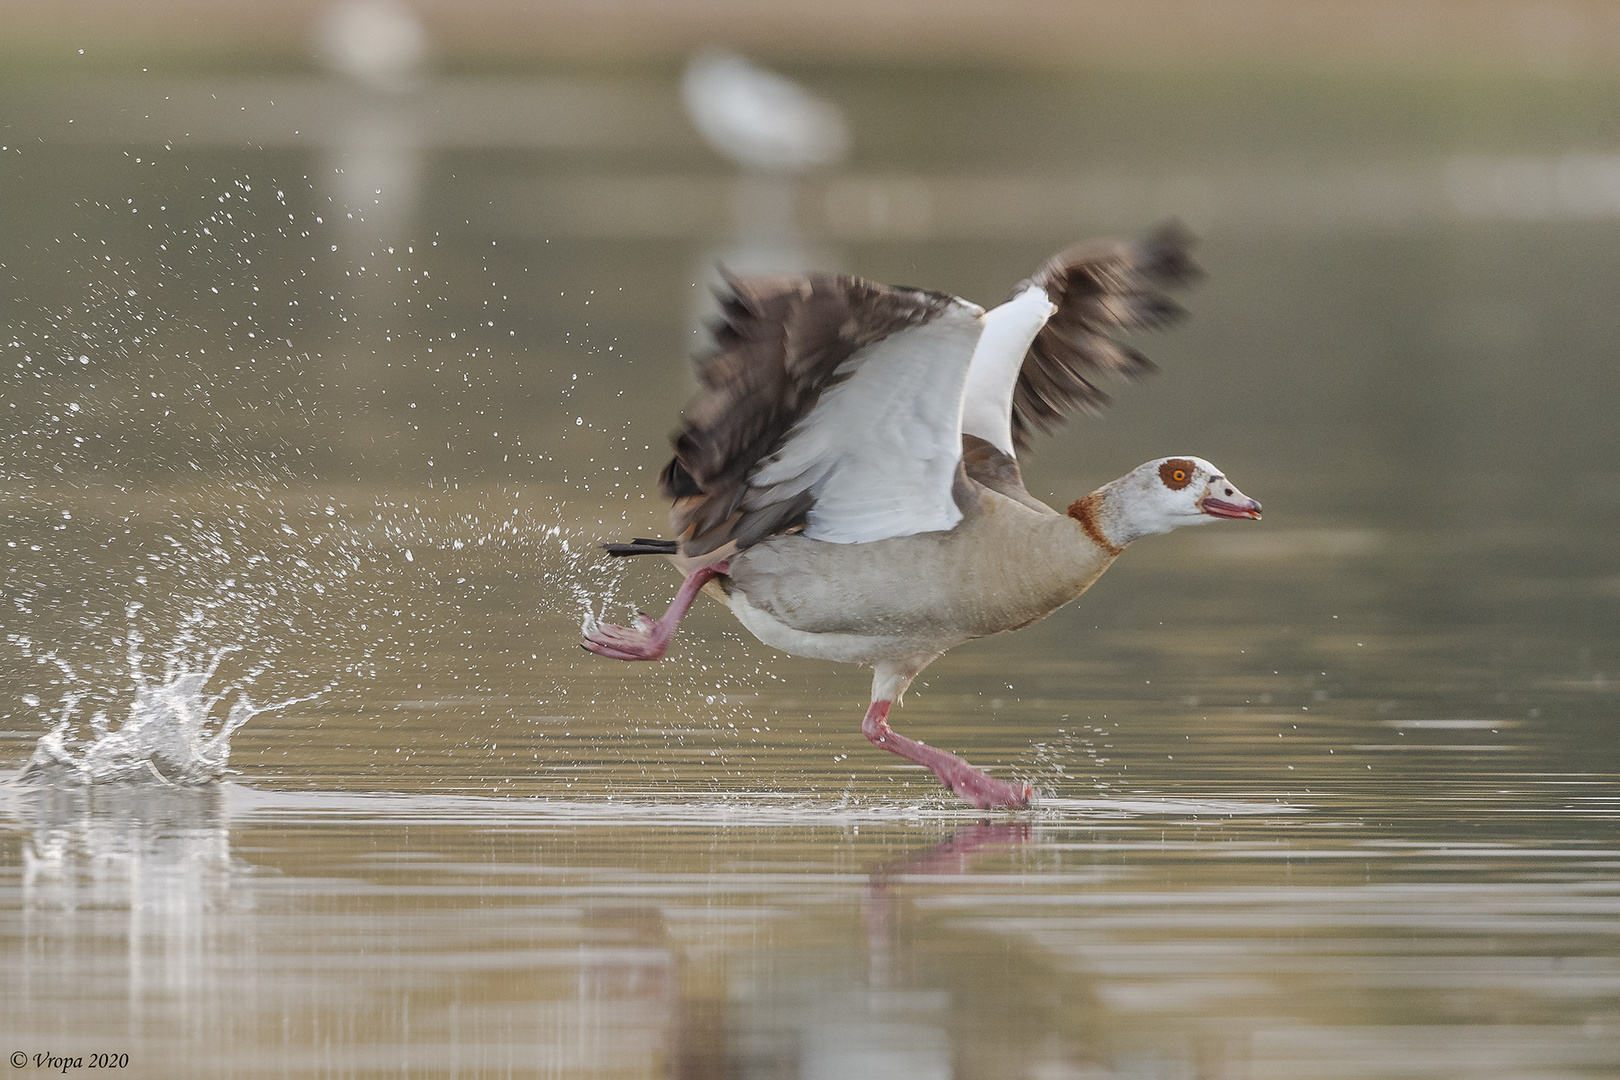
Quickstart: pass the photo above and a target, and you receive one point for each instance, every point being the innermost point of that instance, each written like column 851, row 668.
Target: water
column 1330, row 795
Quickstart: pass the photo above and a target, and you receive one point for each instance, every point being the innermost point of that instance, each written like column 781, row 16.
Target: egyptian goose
column 847, row 480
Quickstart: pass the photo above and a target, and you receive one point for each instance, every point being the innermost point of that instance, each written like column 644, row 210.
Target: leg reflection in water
column 952, row 856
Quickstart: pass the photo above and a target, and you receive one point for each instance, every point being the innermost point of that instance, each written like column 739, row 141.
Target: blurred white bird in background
column 759, row 119
column 381, row 43
column 375, row 145
column 380, row 48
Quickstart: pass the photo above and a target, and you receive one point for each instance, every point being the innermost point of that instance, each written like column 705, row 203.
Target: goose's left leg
column 648, row 638
column 889, row 683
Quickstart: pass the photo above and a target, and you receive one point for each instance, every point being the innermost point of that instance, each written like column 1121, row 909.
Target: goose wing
column 1040, row 351
column 828, row 404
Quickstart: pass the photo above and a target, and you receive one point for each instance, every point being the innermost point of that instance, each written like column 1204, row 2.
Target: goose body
column 847, row 483
column 1002, row 566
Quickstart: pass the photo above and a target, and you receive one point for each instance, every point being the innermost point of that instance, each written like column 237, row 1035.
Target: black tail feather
column 641, row 545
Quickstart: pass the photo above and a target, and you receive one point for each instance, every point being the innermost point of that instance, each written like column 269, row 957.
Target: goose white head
column 1165, row 494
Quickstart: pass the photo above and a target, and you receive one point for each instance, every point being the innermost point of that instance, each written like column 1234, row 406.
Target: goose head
column 1167, row 493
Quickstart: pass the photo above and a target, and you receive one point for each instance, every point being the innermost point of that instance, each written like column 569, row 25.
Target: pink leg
column 967, row 782
column 647, row 640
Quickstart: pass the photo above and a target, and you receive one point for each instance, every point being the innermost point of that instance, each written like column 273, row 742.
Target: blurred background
column 1555, row 35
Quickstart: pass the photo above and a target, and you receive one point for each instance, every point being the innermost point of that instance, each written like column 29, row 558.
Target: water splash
column 593, row 606
column 171, row 735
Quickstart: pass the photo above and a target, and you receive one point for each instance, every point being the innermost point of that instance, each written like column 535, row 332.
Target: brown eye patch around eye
column 1176, row 473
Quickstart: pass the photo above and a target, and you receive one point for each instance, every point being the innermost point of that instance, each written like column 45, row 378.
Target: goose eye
column 1176, row 473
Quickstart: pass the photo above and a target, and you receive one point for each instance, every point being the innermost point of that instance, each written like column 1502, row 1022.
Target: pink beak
column 1235, row 504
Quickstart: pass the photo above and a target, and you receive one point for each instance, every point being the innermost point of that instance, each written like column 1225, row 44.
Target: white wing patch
column 879, row 450
column 1009, row 331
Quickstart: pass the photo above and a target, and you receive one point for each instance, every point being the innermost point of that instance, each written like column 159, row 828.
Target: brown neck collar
column 1086, row 511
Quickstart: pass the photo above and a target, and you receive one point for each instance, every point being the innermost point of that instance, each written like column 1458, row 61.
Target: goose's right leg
column 970, row 784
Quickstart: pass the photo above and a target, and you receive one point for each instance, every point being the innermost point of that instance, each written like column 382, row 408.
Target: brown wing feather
column 1101, row 289
column 997, row 471
column 778, row 344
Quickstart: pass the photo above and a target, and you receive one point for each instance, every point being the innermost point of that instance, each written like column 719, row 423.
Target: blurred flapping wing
column 1060, row 329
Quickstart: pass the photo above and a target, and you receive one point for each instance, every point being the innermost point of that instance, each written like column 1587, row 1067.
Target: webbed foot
column 641, row 641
